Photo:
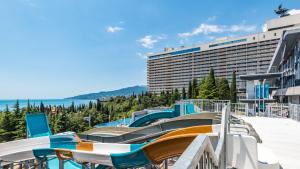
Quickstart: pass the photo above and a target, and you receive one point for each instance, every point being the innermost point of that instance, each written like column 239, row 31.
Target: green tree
column 17, row 107
column 224, row 90
column 190, row 90
column 194, row 88
column 42, row 107
column 60, row 122
column 28, row 109
column 21, row 126
column 233, row 95
column 202, row 88
column 208, row 87
column 183, row 93
column 176, row 95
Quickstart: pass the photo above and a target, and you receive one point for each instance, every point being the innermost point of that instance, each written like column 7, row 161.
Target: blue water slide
column 189, row 108
column 37, row 125
column 125, row 121
column 152, row 117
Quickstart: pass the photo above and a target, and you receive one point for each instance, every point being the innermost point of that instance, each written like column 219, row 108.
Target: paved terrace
column 280, row 135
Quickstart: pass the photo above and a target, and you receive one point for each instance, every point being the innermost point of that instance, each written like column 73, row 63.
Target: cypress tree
column 202, row 88
column 98, row 105
column 223, row 89
column 17, row 108
column 208, row 87
column 183, row 93
column 6, row 109
column 28, row 109
column 233, row 97
column 194, row 88
column 190, row 90
column 42, row 107
column 176, row 95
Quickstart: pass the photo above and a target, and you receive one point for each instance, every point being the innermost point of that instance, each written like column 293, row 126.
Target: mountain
column 107, row 94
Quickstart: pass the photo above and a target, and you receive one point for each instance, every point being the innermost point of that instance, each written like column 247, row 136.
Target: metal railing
column 274, row 110
column 200, row 153
column 206, row 105
column 294, row 112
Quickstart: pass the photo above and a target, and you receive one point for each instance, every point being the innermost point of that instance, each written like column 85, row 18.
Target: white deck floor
column 282, row 136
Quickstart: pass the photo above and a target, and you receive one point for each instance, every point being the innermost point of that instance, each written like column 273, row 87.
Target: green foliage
column 176, row 95
column 194, row 88
column 233, row 97
column 190, row 90
column 223, row 89
column 71, row 118
column 208, row 87
column 183, row 93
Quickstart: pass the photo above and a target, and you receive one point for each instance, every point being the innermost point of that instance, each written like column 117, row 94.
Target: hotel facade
column 251, row 54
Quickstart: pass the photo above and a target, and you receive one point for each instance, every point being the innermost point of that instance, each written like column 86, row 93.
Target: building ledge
column 261, row 76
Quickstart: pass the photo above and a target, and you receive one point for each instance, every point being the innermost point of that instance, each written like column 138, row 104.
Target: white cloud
column 142, row 56
column 202, row 29
column 211, row 28
column 148, row 41
column 113, row 29
column 211, row 18
column 294, row 11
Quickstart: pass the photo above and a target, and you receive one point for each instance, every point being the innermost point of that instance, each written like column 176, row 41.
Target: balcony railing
column 200, row 153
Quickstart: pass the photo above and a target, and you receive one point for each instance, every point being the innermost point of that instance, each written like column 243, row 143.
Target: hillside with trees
column 71, row 118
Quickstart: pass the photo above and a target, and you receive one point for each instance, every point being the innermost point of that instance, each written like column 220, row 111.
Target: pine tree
column 90, row 105
column 190, row 90
column 168, row 98
column 28, row 108
column 183, row 93
column 72, row 107
column 176, row 95
column 208, row 87
column 223, row 88
column 98, row 104
column 42, row 107
column 60, row 122
column 233, row 95
column 6, row 109
column 7, row 126
column 202, row 88
column 194, row 88
column 17, row 108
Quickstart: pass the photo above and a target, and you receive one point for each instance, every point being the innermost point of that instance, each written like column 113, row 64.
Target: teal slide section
column 37, row 125
column 149, row 118
column 152, row 117
column 129, row 160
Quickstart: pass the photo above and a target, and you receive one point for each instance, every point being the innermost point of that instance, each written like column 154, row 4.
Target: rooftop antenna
column 281, row 11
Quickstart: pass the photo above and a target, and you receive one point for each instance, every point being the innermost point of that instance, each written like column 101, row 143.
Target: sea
column 37, row 102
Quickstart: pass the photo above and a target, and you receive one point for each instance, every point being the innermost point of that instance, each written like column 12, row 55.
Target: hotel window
column 253, row 37
column 264, row 36
column 275, row 34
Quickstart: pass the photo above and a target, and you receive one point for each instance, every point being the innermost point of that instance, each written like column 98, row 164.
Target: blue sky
column 61, row 48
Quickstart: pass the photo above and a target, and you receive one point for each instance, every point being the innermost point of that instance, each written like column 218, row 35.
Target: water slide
column 189, row 108
column 42, row 142
column 148, row 116
column 152, row 117
column 39, row 136
column 130, row 155
column 141, row 134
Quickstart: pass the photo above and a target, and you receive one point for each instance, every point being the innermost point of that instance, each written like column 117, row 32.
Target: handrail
column 200, row 152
